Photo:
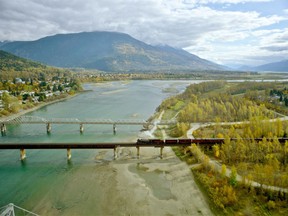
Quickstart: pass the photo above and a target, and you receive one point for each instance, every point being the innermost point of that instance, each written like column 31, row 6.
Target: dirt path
column 218, row 165
column 239, row 178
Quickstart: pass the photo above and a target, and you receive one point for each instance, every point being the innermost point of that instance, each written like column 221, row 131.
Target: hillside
column 12, row 66
column 281, row 66
column 14, row 63
column 107, row 51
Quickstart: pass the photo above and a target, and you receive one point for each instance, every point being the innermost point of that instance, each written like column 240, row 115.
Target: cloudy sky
column 230, row 32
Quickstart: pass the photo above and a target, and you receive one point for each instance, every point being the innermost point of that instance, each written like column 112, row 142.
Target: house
column 3, row 91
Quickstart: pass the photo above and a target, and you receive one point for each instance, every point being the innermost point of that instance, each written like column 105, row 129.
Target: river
column 92, row 183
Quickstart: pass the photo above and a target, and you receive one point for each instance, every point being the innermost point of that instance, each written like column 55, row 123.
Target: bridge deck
column 41, row 120
column 82, row 145
column 140, row 143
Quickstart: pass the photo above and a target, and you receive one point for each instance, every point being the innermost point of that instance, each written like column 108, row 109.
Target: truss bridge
column 49, row 121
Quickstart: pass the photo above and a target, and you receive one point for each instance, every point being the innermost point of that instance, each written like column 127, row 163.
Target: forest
column 236, row 110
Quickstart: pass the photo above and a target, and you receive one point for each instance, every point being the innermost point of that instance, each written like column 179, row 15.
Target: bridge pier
column 161, row 152
column 114, row 129
column 48, row 127
column 3, row 129
column 22, row 154
column 81, row 128
column 69, row 154
column 116, row 152
column 138, row 151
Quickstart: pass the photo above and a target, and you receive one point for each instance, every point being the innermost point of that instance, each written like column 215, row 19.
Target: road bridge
column 156, row 143
column 49, row 121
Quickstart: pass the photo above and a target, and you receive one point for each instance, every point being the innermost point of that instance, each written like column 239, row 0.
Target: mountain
column 3, row 42
column 107, row 51
column 281, row 66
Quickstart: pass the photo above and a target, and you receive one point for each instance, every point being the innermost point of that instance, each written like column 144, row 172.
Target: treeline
column 244, row 87
column 199, row 89
column 30, row 73
column 214, row 102
column 223, row 107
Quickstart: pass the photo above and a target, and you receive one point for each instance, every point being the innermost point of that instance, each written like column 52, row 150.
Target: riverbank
column 150, row 182
column 92, row 183
column 127, row 186
column 40, row 105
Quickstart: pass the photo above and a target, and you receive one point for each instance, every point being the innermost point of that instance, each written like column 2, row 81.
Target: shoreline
column 23, row 112
column 126, row 186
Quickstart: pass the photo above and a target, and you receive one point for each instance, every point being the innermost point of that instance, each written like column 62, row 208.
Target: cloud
column 226, row 1
column 192, row 25
column 276, row 48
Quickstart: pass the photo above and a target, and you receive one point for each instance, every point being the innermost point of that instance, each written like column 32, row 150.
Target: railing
column 41, row 120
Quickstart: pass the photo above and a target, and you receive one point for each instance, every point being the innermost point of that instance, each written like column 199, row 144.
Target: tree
column 233, row 176
column 10, row 103
column 223, row 171
column 60, row 88
column 55, row 88
column 216, row 151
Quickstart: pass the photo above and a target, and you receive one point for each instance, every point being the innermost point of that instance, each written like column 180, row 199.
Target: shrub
column 271, row 205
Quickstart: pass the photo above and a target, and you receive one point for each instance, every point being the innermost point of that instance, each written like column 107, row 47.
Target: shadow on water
column 23, row 164
column 69, row 164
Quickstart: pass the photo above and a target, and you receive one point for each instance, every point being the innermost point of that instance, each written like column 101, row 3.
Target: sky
column 228, row 32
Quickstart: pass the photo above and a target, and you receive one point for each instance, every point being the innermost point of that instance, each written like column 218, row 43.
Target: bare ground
column 126, row 186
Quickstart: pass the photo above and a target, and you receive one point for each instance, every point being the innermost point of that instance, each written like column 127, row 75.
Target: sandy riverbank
column 126, row 186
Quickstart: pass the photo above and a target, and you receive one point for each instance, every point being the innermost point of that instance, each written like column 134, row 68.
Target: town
column 20, row 94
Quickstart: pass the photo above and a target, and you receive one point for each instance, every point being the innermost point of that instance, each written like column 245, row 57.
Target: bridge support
column 22, row 154
column 3, row 129
column 161, row 151
column 48, row 127
column 138, row 151
column 81, row 128
column 68, row 154
column 114, row 129
column 116, row 152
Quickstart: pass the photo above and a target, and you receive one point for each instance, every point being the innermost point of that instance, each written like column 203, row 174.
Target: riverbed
column 93, row 183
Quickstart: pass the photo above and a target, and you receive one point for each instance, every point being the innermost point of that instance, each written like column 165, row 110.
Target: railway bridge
column 156, row 143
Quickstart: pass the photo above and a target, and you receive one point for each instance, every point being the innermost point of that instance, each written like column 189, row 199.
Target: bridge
column 81, row 122
column 156, row 143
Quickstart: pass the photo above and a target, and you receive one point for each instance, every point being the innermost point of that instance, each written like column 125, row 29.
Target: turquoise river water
column 26, row 183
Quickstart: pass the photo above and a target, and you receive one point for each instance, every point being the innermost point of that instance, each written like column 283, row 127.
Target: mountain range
column 281, row 66
column 107, row 51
